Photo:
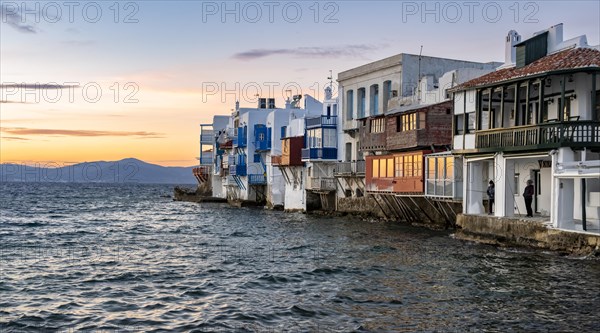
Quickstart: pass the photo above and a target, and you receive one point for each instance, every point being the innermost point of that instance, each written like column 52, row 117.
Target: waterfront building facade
column 536, row 118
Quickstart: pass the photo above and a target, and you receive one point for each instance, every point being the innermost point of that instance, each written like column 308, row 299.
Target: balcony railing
column 322, row 183
column 207, row 138
column 238, row 170
column 206, row 158
column 319, row 153
column 577, row 134
column 257, row 179
column 321, row 121
column 350, row 168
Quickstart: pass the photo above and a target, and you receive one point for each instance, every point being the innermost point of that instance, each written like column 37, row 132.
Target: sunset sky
column 85, row 81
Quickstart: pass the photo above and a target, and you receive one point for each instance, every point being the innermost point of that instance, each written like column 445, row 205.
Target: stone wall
column 521, row 232
column 361, row 205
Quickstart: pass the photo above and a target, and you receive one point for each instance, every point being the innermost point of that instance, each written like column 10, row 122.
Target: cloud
column 10, row 13
column 13, row 138
column 78, row 133
column 353, row 51
column 37, row 86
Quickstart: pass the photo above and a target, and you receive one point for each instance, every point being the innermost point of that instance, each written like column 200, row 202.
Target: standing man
column 491, row 192
column 528, row 195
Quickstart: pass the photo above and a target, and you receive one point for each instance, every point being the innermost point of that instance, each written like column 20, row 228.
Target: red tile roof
column 573, row 58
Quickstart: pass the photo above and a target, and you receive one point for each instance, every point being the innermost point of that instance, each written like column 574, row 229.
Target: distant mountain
column 129, row 170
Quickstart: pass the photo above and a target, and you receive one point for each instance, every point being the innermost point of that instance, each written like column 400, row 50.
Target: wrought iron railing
column 547, row 135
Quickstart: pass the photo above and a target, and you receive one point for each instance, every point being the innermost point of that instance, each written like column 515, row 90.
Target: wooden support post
column 502, row 107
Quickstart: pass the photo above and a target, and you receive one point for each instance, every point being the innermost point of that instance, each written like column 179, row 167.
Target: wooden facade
column 291, row 151
column 396, row 173
column 423, row 127
column 412, row 129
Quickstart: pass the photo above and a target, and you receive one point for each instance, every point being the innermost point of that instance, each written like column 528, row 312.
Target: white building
column 393, row 84
column 536, row 118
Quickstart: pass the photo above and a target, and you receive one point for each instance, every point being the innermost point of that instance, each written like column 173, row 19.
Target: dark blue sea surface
column 126, row 258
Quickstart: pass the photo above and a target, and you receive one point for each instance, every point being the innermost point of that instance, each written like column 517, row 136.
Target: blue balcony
column 257, row 179
column 321, row 121
column 238, row 170
column 319, row 154
column 206, row 158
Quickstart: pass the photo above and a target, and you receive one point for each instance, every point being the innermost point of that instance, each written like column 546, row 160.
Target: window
column 350, row 105
column 361, row 102
column 459, row 124
column 387, row 94
column 390, row 168
column 329, row 138
column 408, row 166
column 417, row 165
column 314, row 139
column 421, row 120
column 398, row 171
column 377, row 125
column 375, row 168
column 516, row 184
column 471, row 122
column 408, row 122
column 382, row 168
column 374, row 97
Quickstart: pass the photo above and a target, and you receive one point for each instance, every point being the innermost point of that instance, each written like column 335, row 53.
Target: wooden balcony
column 574, row 134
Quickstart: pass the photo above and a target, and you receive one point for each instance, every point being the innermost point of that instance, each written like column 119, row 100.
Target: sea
column 127, row 258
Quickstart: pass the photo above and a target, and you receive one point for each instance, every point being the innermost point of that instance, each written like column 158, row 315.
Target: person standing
column 491, row 192
column 528, row 195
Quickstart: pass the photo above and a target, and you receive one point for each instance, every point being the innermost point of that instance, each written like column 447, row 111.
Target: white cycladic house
column 535, row 118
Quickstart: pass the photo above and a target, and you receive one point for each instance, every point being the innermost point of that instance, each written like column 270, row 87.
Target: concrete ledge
column 525, row 232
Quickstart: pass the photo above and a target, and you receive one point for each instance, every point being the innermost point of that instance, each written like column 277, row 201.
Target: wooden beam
column 561, row 105
column 516, row 105
column 595, row 116
column 502, row 107
column 540, row 102
column 526, row 122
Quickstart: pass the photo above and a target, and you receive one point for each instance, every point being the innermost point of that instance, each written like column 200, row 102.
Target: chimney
column 555, row 37
column 510, row 52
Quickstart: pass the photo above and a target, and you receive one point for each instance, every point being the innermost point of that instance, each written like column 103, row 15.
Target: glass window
column 390, row 167
column 418, row 165
column 471, row 122
column 408, row 166
column 398, row 170
column 449, row 167
column 329, row 138
column 459, row 124
column 382, row 168
column 375, row 168
column 350, row 105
